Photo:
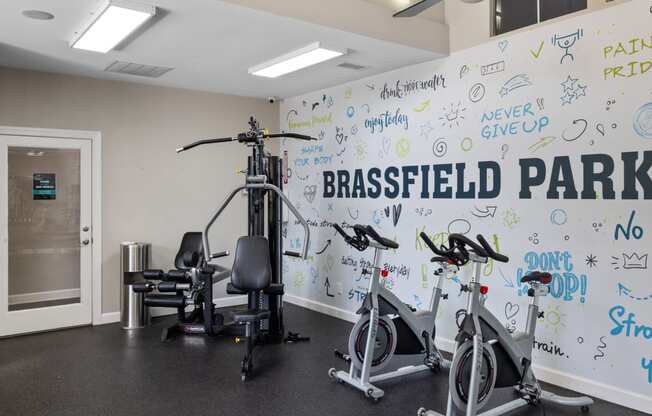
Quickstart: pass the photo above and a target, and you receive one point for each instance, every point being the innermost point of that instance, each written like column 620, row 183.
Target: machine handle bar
column 205, row 141
column 244, row 138
column 289, row 136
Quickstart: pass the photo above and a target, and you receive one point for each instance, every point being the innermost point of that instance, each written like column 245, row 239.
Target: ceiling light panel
column 114, row 22
column 310, row 55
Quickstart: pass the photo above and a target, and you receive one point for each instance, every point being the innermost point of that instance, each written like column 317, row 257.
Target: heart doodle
column 340, row 136
column 511, row 310
column 396, row 213
column 309, row 192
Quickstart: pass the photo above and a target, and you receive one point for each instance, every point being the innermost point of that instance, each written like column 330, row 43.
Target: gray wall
column 149, row 192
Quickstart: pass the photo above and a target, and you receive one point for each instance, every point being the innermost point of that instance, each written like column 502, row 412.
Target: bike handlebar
column 457, row 250
column 458, row 258
column 464, row 240
column 432, row 246
column 361, row 240
column 490, row 251
column 369, row 230
column 341, row 231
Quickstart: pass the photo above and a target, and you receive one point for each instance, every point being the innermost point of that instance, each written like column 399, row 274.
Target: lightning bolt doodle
column 541, row 143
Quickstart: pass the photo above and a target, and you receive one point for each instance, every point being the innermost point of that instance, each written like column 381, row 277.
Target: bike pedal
column 342, row 356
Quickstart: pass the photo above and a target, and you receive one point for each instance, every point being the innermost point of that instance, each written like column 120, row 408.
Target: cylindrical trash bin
column 134, row 260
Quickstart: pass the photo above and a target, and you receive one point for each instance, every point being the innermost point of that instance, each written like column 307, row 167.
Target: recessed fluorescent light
column 294, row 61
column 112, row 23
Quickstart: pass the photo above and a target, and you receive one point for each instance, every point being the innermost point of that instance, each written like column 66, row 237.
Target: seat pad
column 250, row 315
column 232, row 290
column 540, row 277
column 273, row 289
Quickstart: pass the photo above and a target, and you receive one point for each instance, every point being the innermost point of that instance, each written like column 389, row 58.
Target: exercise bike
column 486, row 354
column 387, row 326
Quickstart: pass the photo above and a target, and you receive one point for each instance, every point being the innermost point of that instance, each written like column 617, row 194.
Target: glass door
column 45, row 234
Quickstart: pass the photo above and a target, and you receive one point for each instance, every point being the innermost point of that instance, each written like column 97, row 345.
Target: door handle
column 86, row 242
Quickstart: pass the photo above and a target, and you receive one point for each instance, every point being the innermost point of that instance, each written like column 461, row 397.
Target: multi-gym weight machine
column 192, row 282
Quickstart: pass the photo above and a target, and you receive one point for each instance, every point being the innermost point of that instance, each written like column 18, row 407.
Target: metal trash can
column 134, row 260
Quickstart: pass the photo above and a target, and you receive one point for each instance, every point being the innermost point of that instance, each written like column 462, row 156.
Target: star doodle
column 582, row 89
column 569, row 84
column 426, row 129
column 567, row 98
column 572, row 90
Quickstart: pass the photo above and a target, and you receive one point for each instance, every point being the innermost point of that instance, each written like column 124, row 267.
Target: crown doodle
column 634, row 261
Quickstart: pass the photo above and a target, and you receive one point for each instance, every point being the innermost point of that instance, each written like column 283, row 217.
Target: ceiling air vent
column 141, row 70
column 349, row 65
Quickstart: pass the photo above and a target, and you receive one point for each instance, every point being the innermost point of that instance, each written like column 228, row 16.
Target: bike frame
column 518, row 348
column 517, row 351
column 376, row 297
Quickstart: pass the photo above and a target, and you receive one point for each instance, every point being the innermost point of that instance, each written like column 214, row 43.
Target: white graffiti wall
column 542, row 142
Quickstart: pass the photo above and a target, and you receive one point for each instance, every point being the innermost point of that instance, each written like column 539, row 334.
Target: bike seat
column 540, row 277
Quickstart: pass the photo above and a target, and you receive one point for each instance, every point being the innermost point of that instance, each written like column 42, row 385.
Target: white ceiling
column 435, row 13
column 210, row 43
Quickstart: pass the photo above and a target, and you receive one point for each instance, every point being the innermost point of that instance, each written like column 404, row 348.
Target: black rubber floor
column 107, row 371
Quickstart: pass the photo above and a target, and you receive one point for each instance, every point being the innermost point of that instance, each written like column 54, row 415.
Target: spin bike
column 486, row 354
column 387, row 326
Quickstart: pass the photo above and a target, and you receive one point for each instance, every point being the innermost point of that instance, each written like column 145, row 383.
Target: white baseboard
column 593, row 388
column 113, row 317
column 321, row 307
column 108, row 318
column 46, row 296
column 569, row 381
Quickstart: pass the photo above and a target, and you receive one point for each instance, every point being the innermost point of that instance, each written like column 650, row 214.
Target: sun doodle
column 554, row 319
column 453, row 115
column 360, row 150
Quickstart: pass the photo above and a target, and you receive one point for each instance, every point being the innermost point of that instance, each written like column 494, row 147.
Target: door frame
column 95, row 137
